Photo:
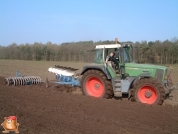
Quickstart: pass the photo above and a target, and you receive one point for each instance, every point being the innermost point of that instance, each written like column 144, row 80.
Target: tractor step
column 117, row 94
column 117, row 87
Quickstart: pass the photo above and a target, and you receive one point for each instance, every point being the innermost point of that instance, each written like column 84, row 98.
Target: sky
column 58, row 21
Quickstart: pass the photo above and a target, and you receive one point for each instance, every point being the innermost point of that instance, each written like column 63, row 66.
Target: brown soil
column 42, row 110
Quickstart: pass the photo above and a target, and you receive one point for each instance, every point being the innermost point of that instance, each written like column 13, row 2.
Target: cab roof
column 108, row 46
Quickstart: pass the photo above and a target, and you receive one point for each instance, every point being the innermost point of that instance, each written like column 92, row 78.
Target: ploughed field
column 60, row 109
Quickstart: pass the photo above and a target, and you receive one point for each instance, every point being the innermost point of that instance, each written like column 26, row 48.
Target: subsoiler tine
column 6, row 81
column 17, row 81
column 21, row 81
column 14, row 81
column 34, row 80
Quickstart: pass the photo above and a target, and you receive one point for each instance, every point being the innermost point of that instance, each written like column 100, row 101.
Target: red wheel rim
column 147, row 94
column 94, row 87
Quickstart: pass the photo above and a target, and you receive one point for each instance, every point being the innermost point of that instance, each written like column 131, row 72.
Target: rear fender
column 100, row 68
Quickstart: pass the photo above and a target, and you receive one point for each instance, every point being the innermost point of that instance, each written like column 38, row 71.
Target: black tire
column 148, row 90
column 104, row 82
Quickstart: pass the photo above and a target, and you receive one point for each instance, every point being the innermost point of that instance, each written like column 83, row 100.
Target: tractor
column 144, row 83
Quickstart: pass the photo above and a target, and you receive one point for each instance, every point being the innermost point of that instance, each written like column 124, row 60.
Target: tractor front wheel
column 149, row 91
column 95, row 83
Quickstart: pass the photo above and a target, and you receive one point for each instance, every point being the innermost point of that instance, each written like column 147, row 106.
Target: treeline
column 155, row 52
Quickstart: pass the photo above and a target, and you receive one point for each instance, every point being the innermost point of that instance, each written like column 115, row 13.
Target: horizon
column 171, row 40
column 61, row 21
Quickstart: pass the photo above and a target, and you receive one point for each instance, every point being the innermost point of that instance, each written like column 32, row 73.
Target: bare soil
column 55, row 110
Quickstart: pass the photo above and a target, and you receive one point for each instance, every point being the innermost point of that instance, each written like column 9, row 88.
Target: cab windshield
column 99, row 56
column 127, row 55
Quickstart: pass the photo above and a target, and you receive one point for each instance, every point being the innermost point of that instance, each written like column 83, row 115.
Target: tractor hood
column 144, row 66
column 134, row 69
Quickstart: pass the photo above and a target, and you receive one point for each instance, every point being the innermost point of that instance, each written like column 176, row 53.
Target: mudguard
column 96, row 67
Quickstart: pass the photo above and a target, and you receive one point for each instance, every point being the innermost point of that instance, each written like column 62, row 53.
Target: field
column 53, row 111
column 40, row 68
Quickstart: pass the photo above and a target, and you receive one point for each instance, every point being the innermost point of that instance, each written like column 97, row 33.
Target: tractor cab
column 102, row 51
column 122, row 54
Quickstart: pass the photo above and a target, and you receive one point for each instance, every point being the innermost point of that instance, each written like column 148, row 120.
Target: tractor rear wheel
column 95, row 83
column 149, row 91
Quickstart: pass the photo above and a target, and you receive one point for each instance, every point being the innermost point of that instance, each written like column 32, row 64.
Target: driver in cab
column 112, row 59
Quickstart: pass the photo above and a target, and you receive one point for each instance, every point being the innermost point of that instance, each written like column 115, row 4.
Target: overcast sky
column 58, row 21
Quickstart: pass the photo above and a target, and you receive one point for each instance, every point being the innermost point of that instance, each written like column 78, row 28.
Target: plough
column 65, row 75
column 60, row 70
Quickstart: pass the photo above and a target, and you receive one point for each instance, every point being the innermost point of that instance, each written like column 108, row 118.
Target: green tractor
column 143, row 83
